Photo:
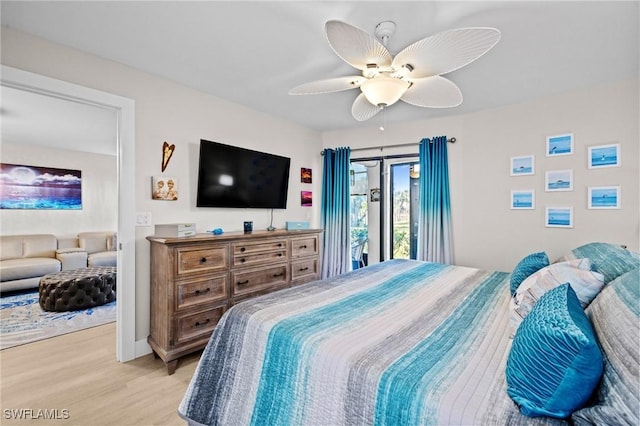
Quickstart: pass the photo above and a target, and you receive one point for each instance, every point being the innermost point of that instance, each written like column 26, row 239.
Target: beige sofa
column 24, row 259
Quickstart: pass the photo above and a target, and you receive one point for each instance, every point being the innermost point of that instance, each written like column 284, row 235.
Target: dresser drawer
column 254, row 280
column 248, row 247
column 304, row 246
column 307, row 268
column 190, row 293
column 198, row 325
column 259, row 258
column 205, row 259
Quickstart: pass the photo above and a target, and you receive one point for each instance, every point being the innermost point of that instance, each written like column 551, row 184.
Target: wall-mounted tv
column 230, row 176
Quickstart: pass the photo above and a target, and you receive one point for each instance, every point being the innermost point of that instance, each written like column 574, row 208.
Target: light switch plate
column 143, row 219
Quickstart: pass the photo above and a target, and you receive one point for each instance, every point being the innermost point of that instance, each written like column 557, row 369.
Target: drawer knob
column 279, row 244
column 279, row 255
column 243, row 282
column 303, row 269
column 303, row 247
column 278, row 275
column 242, row 260
column 203, row 260
column 205, row 322
column 243, row 249
column 198, row 292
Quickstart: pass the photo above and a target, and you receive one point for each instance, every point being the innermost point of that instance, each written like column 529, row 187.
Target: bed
column 404, row 342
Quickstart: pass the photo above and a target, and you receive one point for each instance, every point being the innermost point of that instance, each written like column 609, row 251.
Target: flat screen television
column 230, row 176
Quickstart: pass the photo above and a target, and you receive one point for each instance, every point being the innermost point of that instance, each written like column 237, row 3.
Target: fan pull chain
column 382, row 121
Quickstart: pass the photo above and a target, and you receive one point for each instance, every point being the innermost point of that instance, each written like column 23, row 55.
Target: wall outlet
column 143, row 219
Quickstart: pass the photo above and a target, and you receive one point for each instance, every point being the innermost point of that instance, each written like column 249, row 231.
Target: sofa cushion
column 27, row 267
column 10, row 247
column 105, row 258
column 42, row 245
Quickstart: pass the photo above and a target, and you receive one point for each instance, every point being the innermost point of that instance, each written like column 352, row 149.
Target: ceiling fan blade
column 356, row 47
column 328, row 85
column 445, row 52
column 362, row 109
column 433, row 92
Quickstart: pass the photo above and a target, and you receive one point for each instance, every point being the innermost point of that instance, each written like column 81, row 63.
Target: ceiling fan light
column 383, row 90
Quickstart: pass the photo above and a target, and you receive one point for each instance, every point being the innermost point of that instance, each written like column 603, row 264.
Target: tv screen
column 229, row 176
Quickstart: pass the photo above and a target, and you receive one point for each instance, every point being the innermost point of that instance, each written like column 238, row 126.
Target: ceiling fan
column 414, row 75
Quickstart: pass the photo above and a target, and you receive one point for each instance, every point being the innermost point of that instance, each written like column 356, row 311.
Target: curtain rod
column 450, row 140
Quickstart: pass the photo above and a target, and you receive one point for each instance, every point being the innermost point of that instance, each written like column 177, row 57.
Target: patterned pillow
column 554, row 363
column 585, row 282
column 615, row 315
column 526, row 267
column 612, row 260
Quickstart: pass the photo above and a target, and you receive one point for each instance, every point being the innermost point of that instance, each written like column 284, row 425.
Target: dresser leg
column 171, row 366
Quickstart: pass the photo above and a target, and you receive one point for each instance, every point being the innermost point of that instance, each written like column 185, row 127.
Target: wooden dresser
column 194, row 280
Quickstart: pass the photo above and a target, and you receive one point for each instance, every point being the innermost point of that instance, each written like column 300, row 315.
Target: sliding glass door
column 403, row 206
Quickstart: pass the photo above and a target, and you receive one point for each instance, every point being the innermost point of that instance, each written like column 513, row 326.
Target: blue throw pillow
column 527, row 266
column 555, row 362
column 611, row 260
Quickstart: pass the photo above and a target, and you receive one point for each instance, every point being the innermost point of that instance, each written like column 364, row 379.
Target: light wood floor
column 78, row 372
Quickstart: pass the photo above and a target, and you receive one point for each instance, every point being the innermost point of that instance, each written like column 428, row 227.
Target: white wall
column 99, row 193
column 487, row 233
column 166, row 111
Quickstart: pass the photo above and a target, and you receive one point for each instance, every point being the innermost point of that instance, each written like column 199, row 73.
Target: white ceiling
column 252, row 53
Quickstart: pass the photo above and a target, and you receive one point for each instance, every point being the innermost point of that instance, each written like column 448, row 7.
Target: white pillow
column 577, row 272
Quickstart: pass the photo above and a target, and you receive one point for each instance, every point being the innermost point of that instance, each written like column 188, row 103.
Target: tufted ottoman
column 78, row 288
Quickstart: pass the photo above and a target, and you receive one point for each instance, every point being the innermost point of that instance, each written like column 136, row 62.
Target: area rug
column 22, row 320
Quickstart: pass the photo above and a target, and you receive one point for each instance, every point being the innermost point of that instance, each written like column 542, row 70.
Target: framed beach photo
column 559, row 145
column 604, row 197
column 602, row 156
column 558, row 180
column 558, row 217
column 523, row 199
column 522, row 166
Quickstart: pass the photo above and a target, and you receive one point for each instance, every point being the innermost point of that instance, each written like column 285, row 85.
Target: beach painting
column 604, row 156
column 604, row 197
column 522, row 166
column 559, row 180
column 560, row 145
column 523, row 199
column 25, row 187
column 559, row 217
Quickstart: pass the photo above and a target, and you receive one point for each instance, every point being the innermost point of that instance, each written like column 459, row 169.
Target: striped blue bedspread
column 398, row 343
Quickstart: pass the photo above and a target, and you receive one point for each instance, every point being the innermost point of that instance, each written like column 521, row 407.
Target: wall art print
column 604, row 197
column 560, row 145
column 558, row 217
column 164, row 188
column 522, row 166
column 523, row 199
column 559, row 180
column 305, row 175
column 306, row 198
column 167, row 152
column 604, row 156
column 39, row 188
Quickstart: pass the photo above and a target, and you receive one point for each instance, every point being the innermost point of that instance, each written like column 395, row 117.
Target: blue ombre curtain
column 434, row 215
column 336, row 249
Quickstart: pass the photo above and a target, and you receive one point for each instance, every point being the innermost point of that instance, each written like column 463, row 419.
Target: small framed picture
column 522, row 166
column 305, row 175
column 523, row 199
column 560, row 145
column 559, row 180
column 164, row 188
column 558, row 217
column 604, row 197
column 306, row 198
column 604, row 156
